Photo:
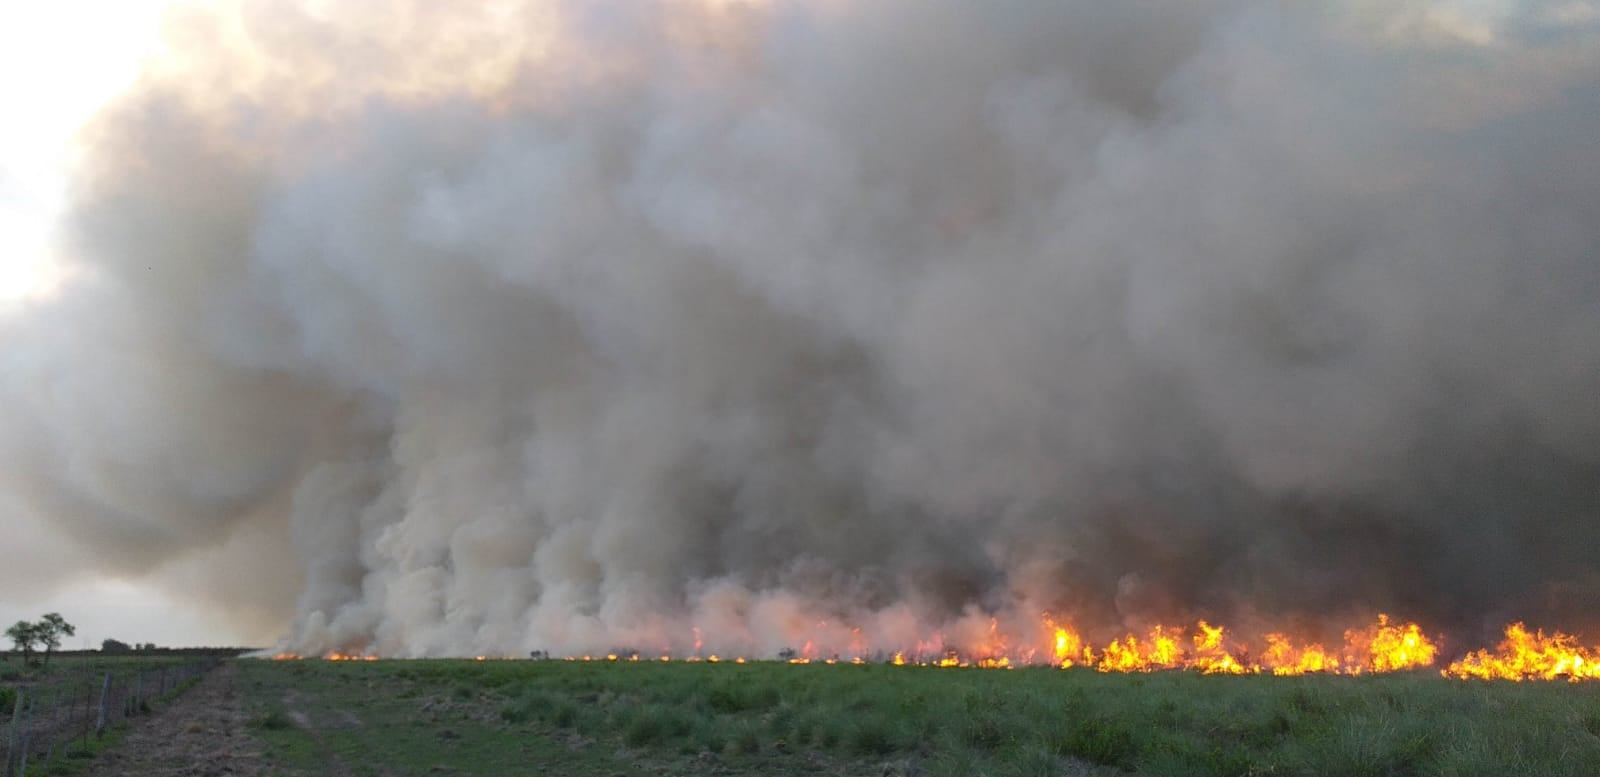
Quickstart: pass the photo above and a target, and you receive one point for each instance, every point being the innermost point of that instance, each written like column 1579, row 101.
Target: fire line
column 1379, row 648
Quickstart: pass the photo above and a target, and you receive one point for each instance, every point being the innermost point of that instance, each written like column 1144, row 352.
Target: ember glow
column 336, row 656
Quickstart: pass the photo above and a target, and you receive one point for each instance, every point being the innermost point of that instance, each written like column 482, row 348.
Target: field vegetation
column 603, row 718
column 85, row 664
column 61, row 703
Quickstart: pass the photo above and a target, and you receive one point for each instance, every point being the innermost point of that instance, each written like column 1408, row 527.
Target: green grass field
column 558, row 717
column 13, row 669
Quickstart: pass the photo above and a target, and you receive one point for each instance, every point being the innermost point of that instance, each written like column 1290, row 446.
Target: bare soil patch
column 202, row 732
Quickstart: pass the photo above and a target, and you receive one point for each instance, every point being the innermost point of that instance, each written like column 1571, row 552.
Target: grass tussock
column 273, row 720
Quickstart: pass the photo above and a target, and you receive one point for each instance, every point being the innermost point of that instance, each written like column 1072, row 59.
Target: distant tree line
column 118, row 647
column 30, row 637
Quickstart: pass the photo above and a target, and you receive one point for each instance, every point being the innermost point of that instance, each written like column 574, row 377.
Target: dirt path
column 335, row 765
column 199, row 733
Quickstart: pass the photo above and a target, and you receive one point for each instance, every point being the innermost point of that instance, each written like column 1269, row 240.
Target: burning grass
column 1378, row 648
column 606, row 717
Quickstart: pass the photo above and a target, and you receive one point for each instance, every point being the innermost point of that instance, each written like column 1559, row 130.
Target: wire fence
column 64, row 714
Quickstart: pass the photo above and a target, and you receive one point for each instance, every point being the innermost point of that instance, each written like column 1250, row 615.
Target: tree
column 24, row 636
column 51, row 629
column 115, row 646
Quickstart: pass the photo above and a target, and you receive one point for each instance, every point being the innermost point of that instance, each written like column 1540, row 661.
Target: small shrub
column 274, row 720
column 654, row 723
column 782, row 718
column 746, row 739
column 1303, row 701
column 564, row 713
column 730, row 698
column 1165, row 715
column 873, row 736
column 1191, row 758
column 643, row 730
column 831, row 735
column 804, row 729
column 516, row 712
column 1414, row 750
column 1038, row 762
column 1591, row 722
column 710, row 738
column 1099, row 740
column 984, row 732
column 959, row 763
column 1221, row 762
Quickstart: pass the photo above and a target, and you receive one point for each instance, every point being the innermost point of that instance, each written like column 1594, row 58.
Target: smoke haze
column 444, row 330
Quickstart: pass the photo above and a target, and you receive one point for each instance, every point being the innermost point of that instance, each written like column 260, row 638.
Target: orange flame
column 339, row 657
column 1282, row 658
column 1066, row 645
column 1210, row 657
column 1524, row 656
column 1393, row 648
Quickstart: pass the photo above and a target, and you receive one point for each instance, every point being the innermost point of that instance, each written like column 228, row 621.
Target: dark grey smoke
column 573, row 324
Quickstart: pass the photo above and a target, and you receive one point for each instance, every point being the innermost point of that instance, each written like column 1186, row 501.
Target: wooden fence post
column 49, row 736
column 88, row 701
column 27, row 732
column 11, row 747
column 105, row 710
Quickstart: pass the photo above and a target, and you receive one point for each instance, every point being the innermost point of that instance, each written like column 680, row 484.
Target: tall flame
column 1392, row 648
column 1528, row 656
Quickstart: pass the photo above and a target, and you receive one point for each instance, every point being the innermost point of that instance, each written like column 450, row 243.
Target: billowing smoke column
column 433, row 329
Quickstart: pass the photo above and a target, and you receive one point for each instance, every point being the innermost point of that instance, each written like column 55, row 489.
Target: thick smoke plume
column 431, row 328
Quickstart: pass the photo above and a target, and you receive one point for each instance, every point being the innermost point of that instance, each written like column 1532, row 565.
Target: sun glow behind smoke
column 59, row 62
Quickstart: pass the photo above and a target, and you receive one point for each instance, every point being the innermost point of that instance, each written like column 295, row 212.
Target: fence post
column 11, row 746
column 49, row 743
column 88, row 700
column 105, row 701
column 61, row 703
column 27, row 735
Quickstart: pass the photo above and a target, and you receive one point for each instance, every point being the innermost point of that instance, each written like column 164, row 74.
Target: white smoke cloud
column 575, row 325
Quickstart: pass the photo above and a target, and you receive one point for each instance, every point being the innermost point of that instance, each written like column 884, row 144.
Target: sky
column 62, row 60
column 61, row 69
